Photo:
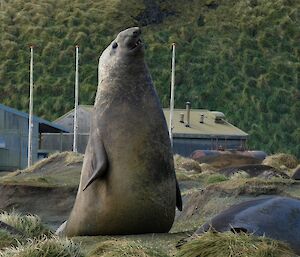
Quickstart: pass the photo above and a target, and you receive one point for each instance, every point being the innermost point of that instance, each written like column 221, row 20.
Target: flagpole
column 76, row 102
column 172, row 95
column 30, row 125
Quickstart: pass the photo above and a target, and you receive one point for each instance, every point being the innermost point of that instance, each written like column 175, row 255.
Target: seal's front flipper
column 99, row 161
column 178, row 197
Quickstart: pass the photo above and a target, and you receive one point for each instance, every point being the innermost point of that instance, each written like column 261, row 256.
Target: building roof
column 210, row 128
column 87, row 108
column 45, row 126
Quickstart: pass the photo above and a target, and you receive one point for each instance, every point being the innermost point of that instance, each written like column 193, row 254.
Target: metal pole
column 172, row 95
column 76, row 103
column 30, row 126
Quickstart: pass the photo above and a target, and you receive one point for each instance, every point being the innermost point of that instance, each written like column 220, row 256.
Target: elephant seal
column 128, row 183
column 274, row 217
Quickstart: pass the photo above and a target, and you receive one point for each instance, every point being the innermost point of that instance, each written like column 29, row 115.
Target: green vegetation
column 213, row 244
column 216, row 178
column 7, row 239
column 239, row 57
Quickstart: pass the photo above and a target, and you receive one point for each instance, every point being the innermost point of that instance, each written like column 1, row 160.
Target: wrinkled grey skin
column 128, row 183
column 274, row 217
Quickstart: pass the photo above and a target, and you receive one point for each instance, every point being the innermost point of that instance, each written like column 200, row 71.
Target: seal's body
column 274, row 217
column 128, row 183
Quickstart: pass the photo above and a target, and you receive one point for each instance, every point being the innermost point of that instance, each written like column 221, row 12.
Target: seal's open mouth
column 137, row 44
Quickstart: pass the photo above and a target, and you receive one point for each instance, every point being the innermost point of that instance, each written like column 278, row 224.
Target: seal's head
column 125, row 52
column 128, row 42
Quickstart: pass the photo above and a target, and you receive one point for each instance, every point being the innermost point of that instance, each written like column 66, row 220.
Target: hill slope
column 239, row 57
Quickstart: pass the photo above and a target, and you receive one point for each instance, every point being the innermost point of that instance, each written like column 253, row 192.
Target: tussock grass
column 281, row 160
column 252, row 186
column 73, row 158
column 207, row 168
column 7, row 239
column 124, row 248
column 187, row 164
column 228, row 244
column 45, row 247
column 29, row 225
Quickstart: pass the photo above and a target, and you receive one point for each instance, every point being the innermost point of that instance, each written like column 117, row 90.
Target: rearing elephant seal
column 128, row 183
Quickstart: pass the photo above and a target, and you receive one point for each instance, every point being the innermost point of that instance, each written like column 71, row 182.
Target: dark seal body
column 274, row 217
column 128, row 183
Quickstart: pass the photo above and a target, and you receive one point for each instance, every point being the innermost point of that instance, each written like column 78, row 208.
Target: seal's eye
column 114, row 45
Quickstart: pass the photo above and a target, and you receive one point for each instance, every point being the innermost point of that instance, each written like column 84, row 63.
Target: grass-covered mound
column 46, row 247
column 59, row 169
column 239, row 57
column 228, row 244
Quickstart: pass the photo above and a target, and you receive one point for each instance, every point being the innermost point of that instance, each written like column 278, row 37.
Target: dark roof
column 45, row 126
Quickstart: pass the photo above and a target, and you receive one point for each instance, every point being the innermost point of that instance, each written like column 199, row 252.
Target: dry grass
column 281, row 160
column 45, row 247
column 119, row 248
column 207, row 168
column 30, row 225
column 7, row 239
column 187, row 164
column 252, row 186
column 228, row 244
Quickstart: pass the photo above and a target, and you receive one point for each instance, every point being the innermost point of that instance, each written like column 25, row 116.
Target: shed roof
column 196, row 130
column 209, row 128
column 45, row 126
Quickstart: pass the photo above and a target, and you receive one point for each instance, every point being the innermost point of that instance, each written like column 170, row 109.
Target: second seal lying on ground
column 128, row 183
column 274, row 217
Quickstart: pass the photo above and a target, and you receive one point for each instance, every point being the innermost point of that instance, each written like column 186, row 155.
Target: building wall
column 14, row 135
column 183, row 146
column 84, row 121
column 61, row 142
column 186, row 146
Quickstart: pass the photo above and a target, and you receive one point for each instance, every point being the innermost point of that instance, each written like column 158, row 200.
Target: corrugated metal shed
column 14, row 137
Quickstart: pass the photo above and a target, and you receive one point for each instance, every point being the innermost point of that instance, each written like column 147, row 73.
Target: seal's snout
column 136, row 32
column 134, row 41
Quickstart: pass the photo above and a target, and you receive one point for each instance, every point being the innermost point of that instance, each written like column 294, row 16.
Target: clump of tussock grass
column 212, row 244
column 30, row 225
column 281, row 160
column 207, row 168
column 187, row 164
column 44, row 247
column 252, row 186
column 7, row 239
column 73, row 158
column 118, row 248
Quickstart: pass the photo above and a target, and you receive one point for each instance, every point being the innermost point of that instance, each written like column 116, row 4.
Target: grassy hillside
column 239, row 57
